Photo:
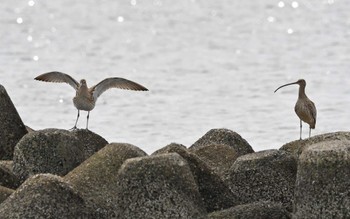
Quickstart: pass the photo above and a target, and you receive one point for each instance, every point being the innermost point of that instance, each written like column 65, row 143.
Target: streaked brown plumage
column 304, row 108
column 85, row 98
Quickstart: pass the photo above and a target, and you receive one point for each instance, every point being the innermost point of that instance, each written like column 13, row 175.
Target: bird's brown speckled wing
column 58, row 77
column 121, row 83
column 313, row 112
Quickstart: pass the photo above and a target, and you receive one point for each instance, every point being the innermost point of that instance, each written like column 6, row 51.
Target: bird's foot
column 72, row 129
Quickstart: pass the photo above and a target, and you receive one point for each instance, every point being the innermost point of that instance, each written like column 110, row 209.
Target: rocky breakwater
column 264, row 176
column 96, row 178
column 322, row 188
column 54, row 151
column 215, row 194
column 56, row 173
column 12, row 128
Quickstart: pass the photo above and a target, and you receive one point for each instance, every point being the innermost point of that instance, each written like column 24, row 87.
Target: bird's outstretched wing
column 58, row 77
column 121, row 83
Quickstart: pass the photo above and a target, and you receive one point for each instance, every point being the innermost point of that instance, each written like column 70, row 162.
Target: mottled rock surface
column 5, row 193
column 53, row 151
column 257, row 210
column 7, row 177
column 89, row 141
column 159, row 186
column 12, row 128
column 323, row 181
column 29, row 129
column 215, row 193
column 219, row 157
column 264, row 176
column 224, row 137
column 170, row 147
column 96, row 178
column 46, row 196
column 298, row 146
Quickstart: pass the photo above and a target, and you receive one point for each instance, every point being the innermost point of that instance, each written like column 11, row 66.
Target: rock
column 215, row 194
column 7, row 177
column 171, row 147
column 219, row 157
column 257, row 210
column 53, row 151
column 5, row 193
column 46, row 196
column 90, row 141
column 298, row 146
column 47, row 151
column 12, row 128
column 96, row 177
column 159, row 186
column 6, row 165
column 322, row 184
column 29, row 129
column 224, row 137
column 264, row 176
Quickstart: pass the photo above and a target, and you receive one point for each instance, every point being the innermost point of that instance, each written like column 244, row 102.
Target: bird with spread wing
column 85, row 97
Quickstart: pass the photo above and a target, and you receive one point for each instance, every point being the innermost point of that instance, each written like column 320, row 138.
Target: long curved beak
column 285, row 86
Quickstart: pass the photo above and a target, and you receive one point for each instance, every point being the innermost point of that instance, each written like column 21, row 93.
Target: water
column 208, row 64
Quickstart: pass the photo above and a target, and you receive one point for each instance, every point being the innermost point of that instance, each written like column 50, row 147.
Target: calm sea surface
column 208, row 64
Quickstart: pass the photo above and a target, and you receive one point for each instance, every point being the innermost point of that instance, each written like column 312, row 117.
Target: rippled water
column 208, row 64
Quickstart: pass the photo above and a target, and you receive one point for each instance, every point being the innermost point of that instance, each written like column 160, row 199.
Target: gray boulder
column 7, row 177
column 53, row 151
column 90, row 141
column 12, row 128
column 215, row 194
column 323, row 185
column 5, row 193
column 46, row 196
column 219, row 157
column 256, row 210
column 29, row 129
column 264, row 176
column 298, row 146
column 170, row 147
column 96, row 178
column 224, row 137
column 159, row 186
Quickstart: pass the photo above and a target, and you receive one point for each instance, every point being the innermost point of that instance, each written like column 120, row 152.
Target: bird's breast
column 83, row 103
column 303, row 108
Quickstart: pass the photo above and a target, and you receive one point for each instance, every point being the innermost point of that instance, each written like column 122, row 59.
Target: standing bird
column 304, row 108
column 85, row 98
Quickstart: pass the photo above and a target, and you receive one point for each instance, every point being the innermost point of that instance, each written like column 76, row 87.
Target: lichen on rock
column 55, row 151
column 264, row 176
column 322, row 184
column 12, row 128
column 158, row 186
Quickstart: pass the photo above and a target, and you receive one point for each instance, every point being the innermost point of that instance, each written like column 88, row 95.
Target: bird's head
column 301, row 82
column 83, row 82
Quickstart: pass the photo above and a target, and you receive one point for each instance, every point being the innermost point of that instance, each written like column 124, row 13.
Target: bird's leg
column 76, row 121
column 301, row 128
column 309, row 132
column 87, row 119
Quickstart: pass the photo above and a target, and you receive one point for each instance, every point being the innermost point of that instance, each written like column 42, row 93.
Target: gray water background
column 208, row 64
